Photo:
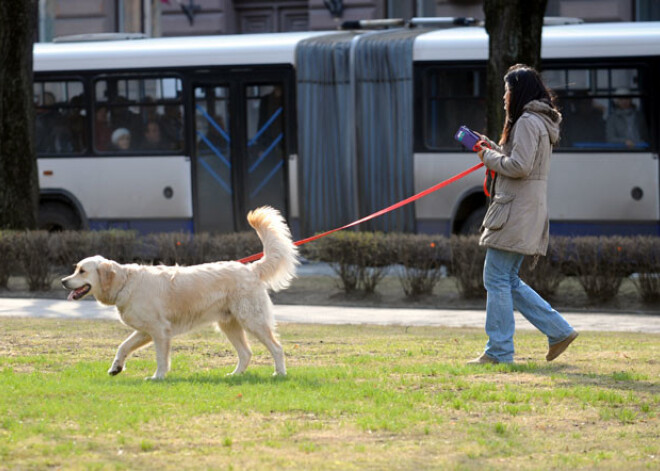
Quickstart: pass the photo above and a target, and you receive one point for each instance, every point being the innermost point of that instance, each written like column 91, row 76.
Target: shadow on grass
column 563, row 375
column 621, row 381
column 248, row 378
column 205, row 378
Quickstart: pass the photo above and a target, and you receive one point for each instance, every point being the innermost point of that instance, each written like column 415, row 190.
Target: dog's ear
column 107, row 275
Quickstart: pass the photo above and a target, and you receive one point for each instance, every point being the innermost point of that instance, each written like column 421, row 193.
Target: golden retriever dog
column 160, row 302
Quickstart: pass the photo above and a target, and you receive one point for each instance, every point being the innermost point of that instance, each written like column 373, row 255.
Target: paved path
column 29, row 307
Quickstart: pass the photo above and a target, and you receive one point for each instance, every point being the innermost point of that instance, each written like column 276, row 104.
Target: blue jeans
column 507, row 291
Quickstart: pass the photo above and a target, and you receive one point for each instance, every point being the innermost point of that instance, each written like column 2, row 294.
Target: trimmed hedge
column 422, row 259
column 360, row 259
column 646, row 276
column 188, row 249
column 467, row 265
column 7, row 257
column 69, row 247
column 550, row 270
column 601, row 264
column 33, row 254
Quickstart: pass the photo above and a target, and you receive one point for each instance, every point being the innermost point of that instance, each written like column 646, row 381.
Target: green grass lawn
column 364, row 397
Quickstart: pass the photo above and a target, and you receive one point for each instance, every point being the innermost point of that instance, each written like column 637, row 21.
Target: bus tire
column 472, row 223
column 55, row 216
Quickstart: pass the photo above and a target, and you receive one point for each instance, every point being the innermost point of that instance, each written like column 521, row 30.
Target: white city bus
column 190, row 133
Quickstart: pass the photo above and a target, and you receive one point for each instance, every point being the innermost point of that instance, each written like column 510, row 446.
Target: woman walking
column 516, row 223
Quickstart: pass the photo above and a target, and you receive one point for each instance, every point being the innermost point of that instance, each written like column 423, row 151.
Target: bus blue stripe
column 215, row 176
column 214, row 149
column 604, row 228
column 265, row 153
column 562, row 228
column 267, row 179
column 252, row 141
column 217, row 127
column 143, row 226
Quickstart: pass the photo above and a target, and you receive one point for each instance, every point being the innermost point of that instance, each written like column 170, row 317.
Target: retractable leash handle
column 473, row 141
column 480, row 144
column 478, row 147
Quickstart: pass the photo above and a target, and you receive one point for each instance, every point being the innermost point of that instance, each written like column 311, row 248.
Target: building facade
column 207, row 17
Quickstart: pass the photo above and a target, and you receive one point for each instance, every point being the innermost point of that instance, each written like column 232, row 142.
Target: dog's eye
column 82, row 270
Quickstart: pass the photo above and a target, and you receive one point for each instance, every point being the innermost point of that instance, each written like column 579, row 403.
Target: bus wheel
column 54, row 217
column 473, row 222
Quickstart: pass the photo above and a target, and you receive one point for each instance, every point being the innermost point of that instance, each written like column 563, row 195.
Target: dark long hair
column 525, row 85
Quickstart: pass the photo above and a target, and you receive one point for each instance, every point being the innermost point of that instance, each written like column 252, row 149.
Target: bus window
column 60, row 117
column 452, row 97
column 141, row 115
column 603, row 108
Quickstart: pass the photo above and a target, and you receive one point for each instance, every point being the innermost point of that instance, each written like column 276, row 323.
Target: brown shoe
column 483, row 360
column 558, row 348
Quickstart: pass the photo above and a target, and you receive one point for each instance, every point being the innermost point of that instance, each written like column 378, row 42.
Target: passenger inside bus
column 584, row 125
column 47, row 118
column 149, row 109
column 102, row 129
column 626, row 124
column 121, row 116
column 171, row 126
column 121, row 139
column 76, row 123
column 152, row 138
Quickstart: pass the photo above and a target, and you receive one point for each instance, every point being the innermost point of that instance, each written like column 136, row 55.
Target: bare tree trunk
column 19, row 185
column 514, row 30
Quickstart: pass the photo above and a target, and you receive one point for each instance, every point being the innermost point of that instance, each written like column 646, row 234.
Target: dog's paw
column 115, row 370
column 154, row 378
column 279, row 374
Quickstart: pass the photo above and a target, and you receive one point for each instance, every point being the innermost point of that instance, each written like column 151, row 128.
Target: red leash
column 477, row 147
column 408, row 200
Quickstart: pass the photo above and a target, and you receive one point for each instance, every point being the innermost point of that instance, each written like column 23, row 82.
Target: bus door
column 240, row 151
column 214, row 195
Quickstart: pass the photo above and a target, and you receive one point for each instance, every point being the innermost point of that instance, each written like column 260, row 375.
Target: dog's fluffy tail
column 278, row 265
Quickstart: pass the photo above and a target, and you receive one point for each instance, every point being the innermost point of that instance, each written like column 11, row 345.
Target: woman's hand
column 481, row 147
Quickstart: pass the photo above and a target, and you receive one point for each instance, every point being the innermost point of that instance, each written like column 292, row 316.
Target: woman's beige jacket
column 517, row 218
